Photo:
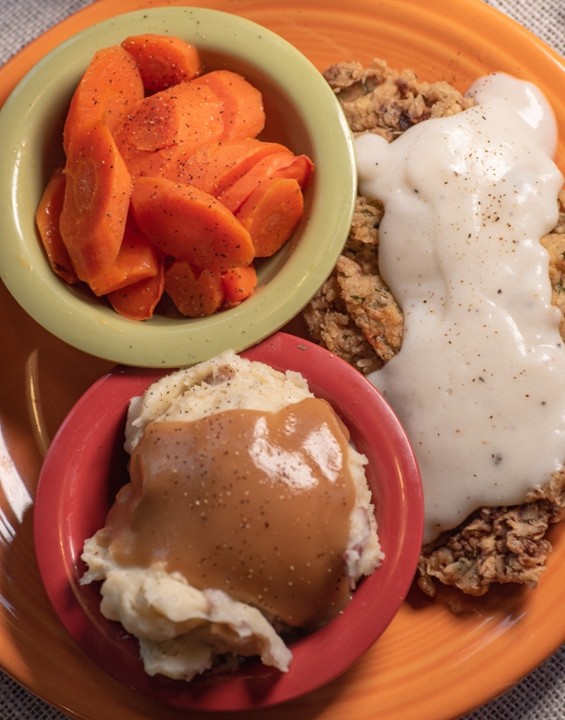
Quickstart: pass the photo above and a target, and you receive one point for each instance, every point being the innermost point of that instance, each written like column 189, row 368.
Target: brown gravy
column 253, row 503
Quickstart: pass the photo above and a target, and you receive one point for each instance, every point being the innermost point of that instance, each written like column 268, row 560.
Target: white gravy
column 479, row 382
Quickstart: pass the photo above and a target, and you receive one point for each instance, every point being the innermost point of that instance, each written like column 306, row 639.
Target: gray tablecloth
column 541, row 695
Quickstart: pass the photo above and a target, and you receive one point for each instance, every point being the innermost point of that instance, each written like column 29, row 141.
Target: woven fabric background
column 541, row 695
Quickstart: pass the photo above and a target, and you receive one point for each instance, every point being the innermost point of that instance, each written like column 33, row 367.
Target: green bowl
column 302, row 112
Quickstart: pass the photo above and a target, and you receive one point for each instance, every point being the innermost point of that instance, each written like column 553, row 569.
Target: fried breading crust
column 387, row 101
column 554, row 243
column 356, row 316
column 496, row 545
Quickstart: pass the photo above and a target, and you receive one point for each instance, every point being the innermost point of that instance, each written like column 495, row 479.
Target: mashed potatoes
column 248, row 514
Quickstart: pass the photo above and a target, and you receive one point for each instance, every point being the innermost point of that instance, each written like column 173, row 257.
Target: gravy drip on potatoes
column 253, row 503
column 479, row 382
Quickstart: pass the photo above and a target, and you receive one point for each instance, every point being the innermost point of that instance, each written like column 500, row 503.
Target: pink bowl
column 86, row 464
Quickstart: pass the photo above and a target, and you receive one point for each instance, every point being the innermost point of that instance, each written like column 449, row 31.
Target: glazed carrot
column 165, row 169
column 95, row 206
column 108, row 90
column 301, row 168
column 271, row 214
column 238, row 284
column 47, row 220
column 237, row 193
column 195, row 293
column 183, row 115
column 163, row 60
column 139, row 300
column 190, row 224
column 216, row 165
column 225, row 162
column 243, row 111
column 137, row 260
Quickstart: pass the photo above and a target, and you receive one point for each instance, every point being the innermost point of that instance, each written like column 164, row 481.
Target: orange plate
column 441, row 663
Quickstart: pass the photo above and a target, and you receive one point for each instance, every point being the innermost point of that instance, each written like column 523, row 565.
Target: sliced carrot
column 271, row 214
column 237, row 193
column 301, row 168
column 204, row 196
column 238, row 284
column 163, row 60
column 195, row 293
column 184, row 115
column 190, row 224
column 243, row 112
column 139, row 300
column 280, row 164
column 225, row 162
column 216, row 165
column 47, row 218
column 137, row 259
column 95, row 206
column 106, row 93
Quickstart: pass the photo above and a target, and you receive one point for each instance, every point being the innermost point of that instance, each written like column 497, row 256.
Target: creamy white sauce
column 479, row 382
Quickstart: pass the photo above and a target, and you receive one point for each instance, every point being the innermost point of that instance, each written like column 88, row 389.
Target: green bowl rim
column 165, row 342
